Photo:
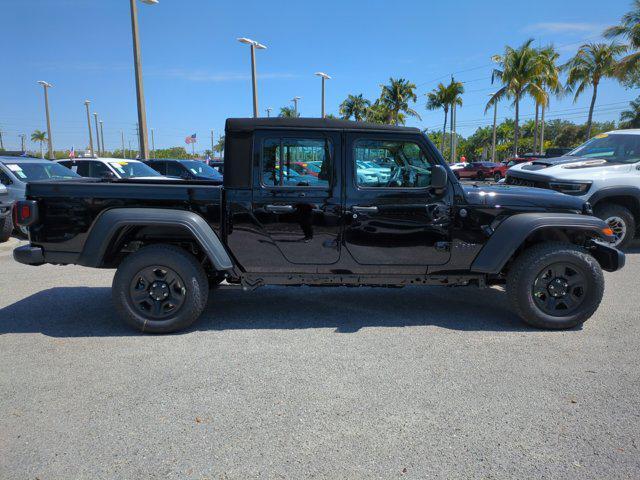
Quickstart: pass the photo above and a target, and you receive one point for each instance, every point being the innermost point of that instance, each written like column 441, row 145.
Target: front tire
column 497, row 176
column 6, row 228
column 620, row 220
column 160, row 289
column 555, row 285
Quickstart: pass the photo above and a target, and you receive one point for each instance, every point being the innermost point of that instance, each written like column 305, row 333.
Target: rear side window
column 288, row 162
column 99, row 169
column 174, row 169
column 160, row 167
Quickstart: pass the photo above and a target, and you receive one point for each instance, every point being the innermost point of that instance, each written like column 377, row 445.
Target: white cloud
column 565, row 28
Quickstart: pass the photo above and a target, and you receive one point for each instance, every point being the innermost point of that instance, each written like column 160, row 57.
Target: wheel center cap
column 159, row 291
column 558, row 287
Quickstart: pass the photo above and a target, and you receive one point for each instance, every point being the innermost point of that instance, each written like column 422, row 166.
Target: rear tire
column 497, row 176
column 160, row 289
column 555, row 285
column 620, row 220
column 6, row 229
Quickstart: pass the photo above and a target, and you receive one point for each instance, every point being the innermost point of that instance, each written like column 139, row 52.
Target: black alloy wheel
column 157, row 292
column 560, row 289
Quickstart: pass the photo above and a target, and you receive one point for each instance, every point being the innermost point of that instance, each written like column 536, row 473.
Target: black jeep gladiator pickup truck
column 321, row 202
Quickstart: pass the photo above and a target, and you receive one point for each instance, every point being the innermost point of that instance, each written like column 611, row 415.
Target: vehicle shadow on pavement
column 87, row 312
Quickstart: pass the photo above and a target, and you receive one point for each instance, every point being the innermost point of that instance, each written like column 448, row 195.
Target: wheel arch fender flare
column 632, row 193
column 107, row 225
column 510, row 235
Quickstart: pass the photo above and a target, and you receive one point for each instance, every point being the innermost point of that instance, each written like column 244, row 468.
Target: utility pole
column 495, row 127
column 139, row 141
column 153, row 145
column 46, row 87
column 212, row 147
column 1, row 143
column 23, row 140
column 91, row 150
column 124, row 155
column 95, row 117
column 142, row 113
column 102, row 137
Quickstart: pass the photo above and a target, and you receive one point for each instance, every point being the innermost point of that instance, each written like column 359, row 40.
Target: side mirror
column 438, row 177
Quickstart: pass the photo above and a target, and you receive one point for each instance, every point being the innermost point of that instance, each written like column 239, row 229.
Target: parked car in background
column 479, row 171
column 217, row 165
column 457, row 165
column 185, row 169
column 605, row 171
column 111, row 168
column 306, row 168
column 17, row 172
column 6, row 226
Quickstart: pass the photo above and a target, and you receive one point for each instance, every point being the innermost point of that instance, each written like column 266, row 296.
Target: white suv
column 112, row 168
column 605, row 171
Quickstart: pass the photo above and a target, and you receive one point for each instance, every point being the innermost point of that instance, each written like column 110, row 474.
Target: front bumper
column 609, row 258
column 28, row 255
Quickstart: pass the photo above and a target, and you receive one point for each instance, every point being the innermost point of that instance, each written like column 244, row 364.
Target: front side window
column 390, row 164
column 33, row 171
column 285, row 162
column 617, row 148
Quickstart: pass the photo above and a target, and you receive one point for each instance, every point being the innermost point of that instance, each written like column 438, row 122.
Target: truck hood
column 522, row 197
column 570, row 168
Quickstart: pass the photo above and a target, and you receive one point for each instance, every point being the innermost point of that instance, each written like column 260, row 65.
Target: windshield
column 34, row 171
column 201, row 169
column 133, row 169
column 619, row 147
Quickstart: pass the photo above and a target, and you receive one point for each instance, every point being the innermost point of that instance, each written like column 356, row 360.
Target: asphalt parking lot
column 314, row 383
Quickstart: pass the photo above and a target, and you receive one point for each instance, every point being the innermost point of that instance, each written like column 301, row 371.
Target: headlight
column 571, row 188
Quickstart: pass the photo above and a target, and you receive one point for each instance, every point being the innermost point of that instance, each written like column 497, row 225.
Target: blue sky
column 197, row 74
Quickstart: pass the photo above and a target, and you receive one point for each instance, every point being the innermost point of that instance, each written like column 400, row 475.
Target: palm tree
column 629, row 28
column 396, row 97
column 438, row 99
column 548, row 81
column 40, row 137
column 592, row 63
column 631, row 118
column 288, row 112
column 379, row 112
column 354, row 106
column 518, row 70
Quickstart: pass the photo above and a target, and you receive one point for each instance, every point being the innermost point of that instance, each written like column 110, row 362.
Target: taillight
column 25, row 213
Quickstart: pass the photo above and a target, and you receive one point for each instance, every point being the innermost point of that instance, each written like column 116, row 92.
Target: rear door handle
column 359, row 209
column 280, row 208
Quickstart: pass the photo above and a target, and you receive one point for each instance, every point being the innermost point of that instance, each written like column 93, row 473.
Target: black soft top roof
column 250, row 124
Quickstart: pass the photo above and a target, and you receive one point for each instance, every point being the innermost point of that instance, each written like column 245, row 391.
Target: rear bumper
column 28, row 255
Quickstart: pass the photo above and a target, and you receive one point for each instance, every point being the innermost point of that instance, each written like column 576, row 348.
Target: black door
column 393, row 217
column 297, row 213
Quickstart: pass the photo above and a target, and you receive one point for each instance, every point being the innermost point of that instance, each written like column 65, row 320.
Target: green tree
column 219, row 147
column 379, row 112
column 354, row 106
column 631, row 118
column 288, row 112
column 445, row 97
column 397, row 96
column 592, row 63
column 518, row 70
column 629, row 66
column 38, row 136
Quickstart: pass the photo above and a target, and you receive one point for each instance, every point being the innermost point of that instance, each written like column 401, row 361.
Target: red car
column 306, row 168
column 481, row 171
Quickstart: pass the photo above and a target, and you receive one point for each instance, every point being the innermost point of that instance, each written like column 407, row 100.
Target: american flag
column 72, row 152
column 190, row 139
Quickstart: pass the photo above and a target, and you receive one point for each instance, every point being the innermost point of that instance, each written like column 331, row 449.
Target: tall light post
column 95, row 117
column 91, row 150
column 46, row 86
column 295, row 101
column 153, row 144
column 23, row 139
column 495, row 125
column 324, row 77
column 253, row 44
column 268, row 110
column 102, row 137
column 142, row 113
column 124, row 154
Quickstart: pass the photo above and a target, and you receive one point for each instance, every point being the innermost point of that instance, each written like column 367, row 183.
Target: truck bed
column 68, row 209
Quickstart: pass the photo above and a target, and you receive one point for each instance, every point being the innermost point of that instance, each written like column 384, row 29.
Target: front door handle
column 280, row 208
column 359, row 209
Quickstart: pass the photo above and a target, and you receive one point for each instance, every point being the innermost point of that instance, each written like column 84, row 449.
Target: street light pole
column 124, row 154
column 153, row 145
column 23, row 137
column 91, row 150
column 102, row 137
column 295, row 104
column 254, row 80
column 324, row 77
column 268, row 110
column 142, row 114
column 46, row 87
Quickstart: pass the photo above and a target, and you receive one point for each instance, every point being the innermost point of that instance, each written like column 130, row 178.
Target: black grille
column 525, row 182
